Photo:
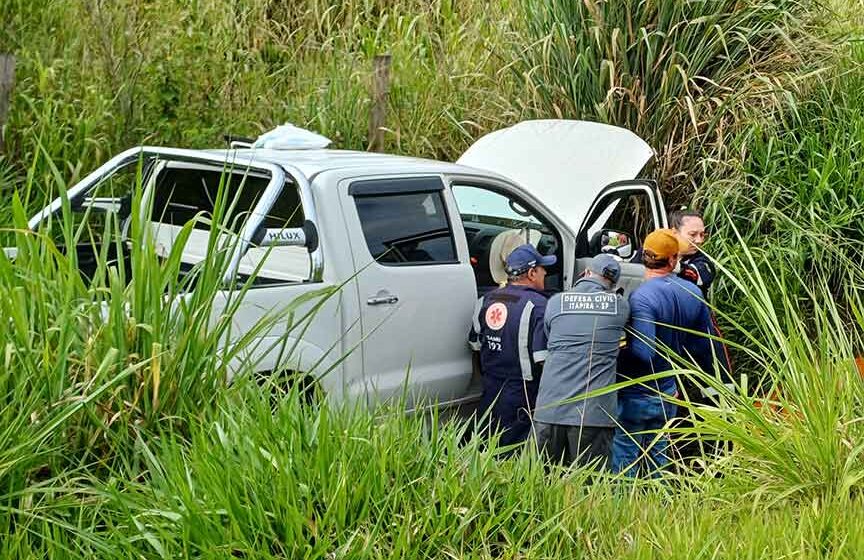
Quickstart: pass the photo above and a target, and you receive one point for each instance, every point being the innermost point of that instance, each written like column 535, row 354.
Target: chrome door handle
column 382, row 300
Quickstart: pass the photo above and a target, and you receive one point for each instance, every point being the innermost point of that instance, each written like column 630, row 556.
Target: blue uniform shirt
column 668, row 300
column 696, row 268
column 508, row 333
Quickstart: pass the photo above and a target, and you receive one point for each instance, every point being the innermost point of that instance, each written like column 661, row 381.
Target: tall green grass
column 676, row 72
column 118, row 435
column 95, row 78
column 121, row 439
column 794, row 421
column 93, row 364
column 791, row 188
column 319, row 482
column 324, row 482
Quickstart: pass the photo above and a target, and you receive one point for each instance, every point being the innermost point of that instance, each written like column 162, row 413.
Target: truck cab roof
column 313, row 162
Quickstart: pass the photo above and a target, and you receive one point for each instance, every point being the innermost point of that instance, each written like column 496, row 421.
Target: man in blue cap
column 585, row 329
column 508, row 335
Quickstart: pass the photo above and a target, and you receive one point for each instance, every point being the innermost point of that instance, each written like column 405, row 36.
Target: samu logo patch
column 496, row 316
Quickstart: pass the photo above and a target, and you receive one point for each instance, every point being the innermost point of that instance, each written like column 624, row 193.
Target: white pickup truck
column 412, row 242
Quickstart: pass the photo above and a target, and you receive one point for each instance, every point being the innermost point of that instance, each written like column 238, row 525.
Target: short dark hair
column 676, row 218
column 650, row 261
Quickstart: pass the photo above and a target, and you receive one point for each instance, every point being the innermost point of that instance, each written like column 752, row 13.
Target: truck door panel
column 416, row 295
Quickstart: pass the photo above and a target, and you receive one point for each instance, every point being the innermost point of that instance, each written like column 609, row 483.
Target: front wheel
column 284, row 384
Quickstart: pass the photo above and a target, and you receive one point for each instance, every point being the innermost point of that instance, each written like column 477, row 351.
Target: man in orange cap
column 668, row 317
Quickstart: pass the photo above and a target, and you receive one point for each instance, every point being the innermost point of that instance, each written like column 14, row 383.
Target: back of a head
column 660, row 248
column 607, row 268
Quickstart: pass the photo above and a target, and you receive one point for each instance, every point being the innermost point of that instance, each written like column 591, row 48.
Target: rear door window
column 404, row 221
column 183, row 192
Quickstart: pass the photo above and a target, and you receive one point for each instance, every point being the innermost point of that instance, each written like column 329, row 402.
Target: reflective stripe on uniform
column 474, row 336
column 477, row 307
column 540, row 356
column 524, row 330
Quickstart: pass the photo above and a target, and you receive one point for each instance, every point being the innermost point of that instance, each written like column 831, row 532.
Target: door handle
column 382, row 300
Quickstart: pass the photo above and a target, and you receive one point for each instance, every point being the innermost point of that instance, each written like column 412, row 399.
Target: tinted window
column 182, row 193
column 409, row 228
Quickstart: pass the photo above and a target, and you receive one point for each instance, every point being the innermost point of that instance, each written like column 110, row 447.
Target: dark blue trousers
column 509, row 403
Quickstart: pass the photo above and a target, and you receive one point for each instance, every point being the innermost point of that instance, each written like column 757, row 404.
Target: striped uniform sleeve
column 539, row 334
column 524, row 341
column 700, row 271
column 474, row 333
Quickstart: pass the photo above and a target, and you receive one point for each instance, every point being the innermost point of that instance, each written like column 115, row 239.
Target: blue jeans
column 635, row 452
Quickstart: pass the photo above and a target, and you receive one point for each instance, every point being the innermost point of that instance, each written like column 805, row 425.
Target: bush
column 792, row 189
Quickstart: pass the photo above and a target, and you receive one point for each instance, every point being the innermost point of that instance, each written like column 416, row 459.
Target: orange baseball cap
column 663, row 244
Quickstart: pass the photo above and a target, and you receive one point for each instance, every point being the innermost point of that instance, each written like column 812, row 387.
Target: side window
column 494, row 225
column 183, row 192
column 618, row 224
column 403, row 226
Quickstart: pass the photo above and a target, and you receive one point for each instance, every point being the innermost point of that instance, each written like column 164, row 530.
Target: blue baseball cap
column 524, row 258
column 606, row 266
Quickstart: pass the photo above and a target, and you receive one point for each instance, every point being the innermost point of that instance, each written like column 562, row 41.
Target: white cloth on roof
column 290, row 137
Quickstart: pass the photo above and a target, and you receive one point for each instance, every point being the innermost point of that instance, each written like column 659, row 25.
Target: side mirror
column 616, row 243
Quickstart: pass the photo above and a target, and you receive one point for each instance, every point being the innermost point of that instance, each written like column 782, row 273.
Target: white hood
column 563, row 163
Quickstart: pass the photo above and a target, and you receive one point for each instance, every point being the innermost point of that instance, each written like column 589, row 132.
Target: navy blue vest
column 508, row 332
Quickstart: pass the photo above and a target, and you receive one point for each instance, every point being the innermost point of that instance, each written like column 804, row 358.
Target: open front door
column 620, row 218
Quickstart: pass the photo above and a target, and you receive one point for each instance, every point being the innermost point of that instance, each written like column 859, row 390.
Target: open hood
column 563, row 163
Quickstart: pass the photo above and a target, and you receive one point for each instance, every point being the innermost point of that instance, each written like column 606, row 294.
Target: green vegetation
column 99, row 77
column 791, row 187
column 119, row 438
column 675, row 72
